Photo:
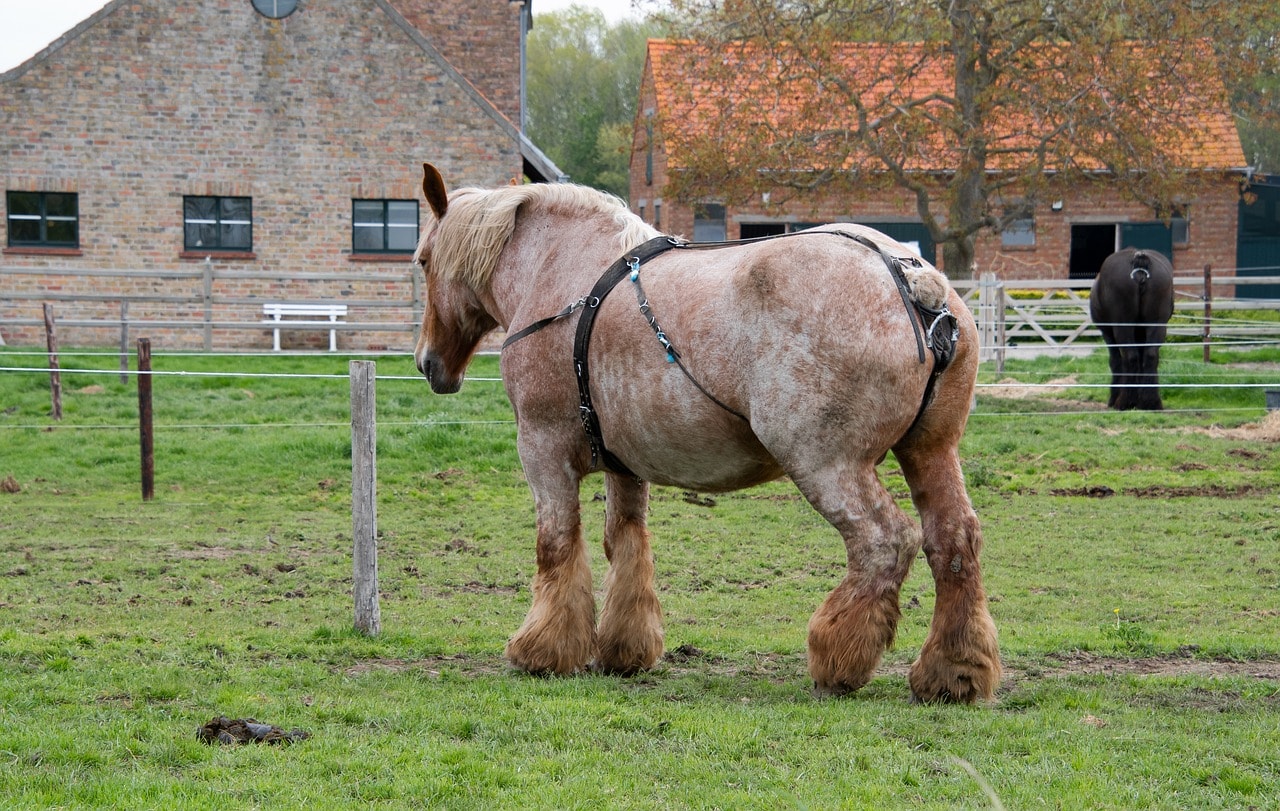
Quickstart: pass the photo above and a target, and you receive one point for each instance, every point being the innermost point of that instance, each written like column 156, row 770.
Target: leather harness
column 925, row 324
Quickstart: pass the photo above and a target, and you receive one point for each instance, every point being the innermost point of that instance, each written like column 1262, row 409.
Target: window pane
column 200, row 208
column 366, row 212
column 24, row 231
column 236, row 237
column 201, row 235
column 60, row 205
column 366, row 237
column 24, row 202
column 402, row 238
column 63, row 232
column 235, row 208
column 400, row 212
column 1019, row 233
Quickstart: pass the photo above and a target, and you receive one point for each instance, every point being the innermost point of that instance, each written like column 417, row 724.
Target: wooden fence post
column 55, row 370
column 145, row 427
column 983, row 315
column 1000, row 327
column 364, row 487
column 207, row 295
column 124, row 342
column 1208, row 307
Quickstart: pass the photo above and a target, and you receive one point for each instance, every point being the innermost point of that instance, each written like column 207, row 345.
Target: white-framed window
column 1020, row 233
column 384, row 226
column 43, row 219
column 217, row 223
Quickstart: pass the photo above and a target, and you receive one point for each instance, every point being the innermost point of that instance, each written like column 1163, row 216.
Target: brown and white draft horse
column 715, row 370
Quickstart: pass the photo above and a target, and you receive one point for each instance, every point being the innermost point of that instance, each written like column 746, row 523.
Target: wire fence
column 1044, row 384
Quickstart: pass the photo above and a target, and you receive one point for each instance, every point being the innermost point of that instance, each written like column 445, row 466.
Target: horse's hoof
column 953, row 684
column 836, row 690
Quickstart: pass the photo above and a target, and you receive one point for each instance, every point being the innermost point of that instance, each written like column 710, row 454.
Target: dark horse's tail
column 1140, row 268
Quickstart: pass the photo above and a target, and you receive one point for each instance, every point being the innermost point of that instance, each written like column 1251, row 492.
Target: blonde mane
column 465, row 244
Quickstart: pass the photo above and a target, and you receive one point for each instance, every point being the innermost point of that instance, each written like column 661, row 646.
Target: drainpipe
column 526, row 23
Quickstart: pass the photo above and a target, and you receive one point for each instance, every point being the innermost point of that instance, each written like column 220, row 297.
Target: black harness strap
column 582, row 340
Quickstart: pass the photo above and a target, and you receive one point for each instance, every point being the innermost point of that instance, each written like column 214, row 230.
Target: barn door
column 1147, row 236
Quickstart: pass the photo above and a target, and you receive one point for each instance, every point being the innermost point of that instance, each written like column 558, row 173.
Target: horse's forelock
column 465, row 244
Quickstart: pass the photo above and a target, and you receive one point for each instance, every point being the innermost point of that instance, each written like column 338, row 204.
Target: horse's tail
column 1140, row 269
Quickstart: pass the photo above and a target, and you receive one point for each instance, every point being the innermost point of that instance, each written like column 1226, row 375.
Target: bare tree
column 980, row 110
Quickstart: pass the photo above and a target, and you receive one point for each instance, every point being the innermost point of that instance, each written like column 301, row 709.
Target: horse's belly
column 705, row 461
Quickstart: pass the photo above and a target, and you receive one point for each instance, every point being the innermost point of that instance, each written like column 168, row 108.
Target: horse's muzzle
column 434, row 369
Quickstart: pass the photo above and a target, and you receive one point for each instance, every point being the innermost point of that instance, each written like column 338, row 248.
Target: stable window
column 217, row 223
column 384, row 226
column 709, row 223
column 1020, row 233
column 1180, row 226
column 43, row 219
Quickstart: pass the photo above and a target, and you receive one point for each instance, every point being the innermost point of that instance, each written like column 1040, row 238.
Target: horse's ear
column 433, row 189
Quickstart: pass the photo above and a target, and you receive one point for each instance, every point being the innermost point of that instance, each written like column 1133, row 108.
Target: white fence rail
column 204, row 304
column 1047, row 315
column 1052, row 315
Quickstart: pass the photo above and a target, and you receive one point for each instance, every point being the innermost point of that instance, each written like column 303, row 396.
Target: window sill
column 1017, row 248
column 220, row 255
column 35, row 250
column 380, row 257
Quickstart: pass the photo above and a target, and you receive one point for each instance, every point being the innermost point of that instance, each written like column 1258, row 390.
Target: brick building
column 1067, row 238
column 274, row 141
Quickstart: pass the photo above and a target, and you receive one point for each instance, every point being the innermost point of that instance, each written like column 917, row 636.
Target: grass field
column 1133, row 563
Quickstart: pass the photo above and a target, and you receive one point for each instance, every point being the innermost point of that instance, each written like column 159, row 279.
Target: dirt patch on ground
column 1011, row 388
column 781, row 668
column 1265, row 430
column 1165, row 491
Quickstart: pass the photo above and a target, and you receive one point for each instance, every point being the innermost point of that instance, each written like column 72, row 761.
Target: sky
column 27, row 27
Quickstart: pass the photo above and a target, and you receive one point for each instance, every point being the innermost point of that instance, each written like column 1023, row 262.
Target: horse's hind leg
column 629, row 637
column 858, row 620
column 558, row 634
column 960, row 659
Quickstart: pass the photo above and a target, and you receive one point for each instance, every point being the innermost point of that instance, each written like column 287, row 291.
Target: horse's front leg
column 558, row 634
column 630, row 633
column 960, row 659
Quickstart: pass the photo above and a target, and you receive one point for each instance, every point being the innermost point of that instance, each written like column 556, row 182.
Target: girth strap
column 582, row 340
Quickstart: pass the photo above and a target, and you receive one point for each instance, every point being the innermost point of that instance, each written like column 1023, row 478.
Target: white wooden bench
column 312, row 315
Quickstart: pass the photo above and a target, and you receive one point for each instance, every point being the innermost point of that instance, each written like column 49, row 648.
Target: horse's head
column 453, row 320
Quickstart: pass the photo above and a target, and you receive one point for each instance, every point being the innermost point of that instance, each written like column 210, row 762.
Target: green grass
column 128, row 624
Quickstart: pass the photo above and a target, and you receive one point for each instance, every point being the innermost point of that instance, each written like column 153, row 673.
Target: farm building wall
column 148, row 102
column 1210, row 229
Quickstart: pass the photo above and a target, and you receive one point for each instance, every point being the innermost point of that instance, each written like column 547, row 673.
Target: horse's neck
column 543, row 269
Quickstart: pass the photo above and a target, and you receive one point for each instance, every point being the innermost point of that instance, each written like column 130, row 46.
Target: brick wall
column 482, row 40
column 151, row 100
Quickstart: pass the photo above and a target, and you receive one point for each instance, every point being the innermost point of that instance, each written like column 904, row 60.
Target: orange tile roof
column 756, row 98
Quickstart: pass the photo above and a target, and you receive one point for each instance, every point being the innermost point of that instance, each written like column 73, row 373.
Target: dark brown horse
column 1131, row 304
column 715, row 370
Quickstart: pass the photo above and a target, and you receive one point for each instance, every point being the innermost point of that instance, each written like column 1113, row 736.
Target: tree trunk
column 958, row 259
